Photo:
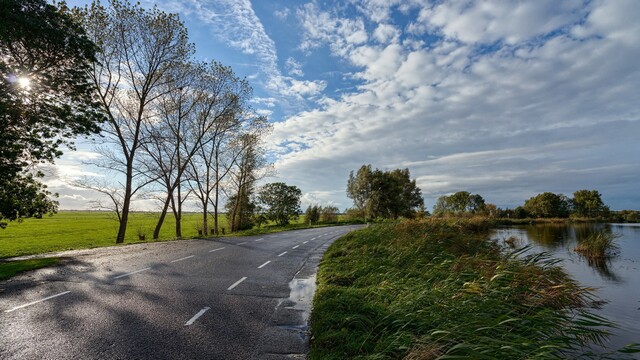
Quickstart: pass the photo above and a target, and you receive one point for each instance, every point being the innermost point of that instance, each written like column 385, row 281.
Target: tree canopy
column 548, row 205
column 46, row 98
column 588, row 203
column 281, row 202
column 461, row 202
column 385, row 194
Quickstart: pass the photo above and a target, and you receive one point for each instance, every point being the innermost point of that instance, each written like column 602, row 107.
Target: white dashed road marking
column 184, row 258
column 237, row 283
column 282, row 253
column 38, row 301
column 196, row 316
column 224, row 247
column 131, row 273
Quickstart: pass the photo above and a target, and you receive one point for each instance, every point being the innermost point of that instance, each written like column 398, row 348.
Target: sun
column 24, row 82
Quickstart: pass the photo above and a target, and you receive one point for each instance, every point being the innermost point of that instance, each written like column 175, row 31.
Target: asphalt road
column 228, row 298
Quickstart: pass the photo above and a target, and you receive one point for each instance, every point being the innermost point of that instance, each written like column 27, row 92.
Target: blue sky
column 507, row 99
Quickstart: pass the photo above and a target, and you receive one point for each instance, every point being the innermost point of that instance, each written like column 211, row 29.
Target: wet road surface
column 228, row 298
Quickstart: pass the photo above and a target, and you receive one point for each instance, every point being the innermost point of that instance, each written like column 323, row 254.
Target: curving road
column 228, row 298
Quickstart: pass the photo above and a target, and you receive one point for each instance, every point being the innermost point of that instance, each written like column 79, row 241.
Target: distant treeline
column 585, row 204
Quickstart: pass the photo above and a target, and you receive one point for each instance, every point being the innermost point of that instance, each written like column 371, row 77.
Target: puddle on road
column 301, row 295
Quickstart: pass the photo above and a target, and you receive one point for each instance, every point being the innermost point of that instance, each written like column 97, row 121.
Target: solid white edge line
column 224, row 247
column 282, row 253
column 38, row 301
column 295, row 247
column 237, row 283
column 131, row 273
column 196, row 316
column 263, row 265
column 184, row 258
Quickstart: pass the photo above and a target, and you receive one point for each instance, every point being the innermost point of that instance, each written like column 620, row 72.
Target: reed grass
column 598, row 245
column 439, row 289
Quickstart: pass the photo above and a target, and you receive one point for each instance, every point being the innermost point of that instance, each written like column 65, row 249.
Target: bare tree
column 137, row 49
column 217, row 153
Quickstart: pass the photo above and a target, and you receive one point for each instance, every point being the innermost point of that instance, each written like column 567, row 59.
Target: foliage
column 459, row 203
column 588, row 203
column 388, row 194
column 281, row 202
column 45, row 98
column 319, row 214
column 548, row 205
column 439, row 289
column 240, row 210
column 329, row 214
column 312, row 214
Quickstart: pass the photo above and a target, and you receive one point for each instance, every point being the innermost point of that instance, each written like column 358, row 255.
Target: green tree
column 281, row 202
column 385, row 194
column 461, row 202
column 359, row 189
column 329, row 214
column 45, row 99
column 240, row 210
column 312, row 214
column 548, row 205
column 588, row 203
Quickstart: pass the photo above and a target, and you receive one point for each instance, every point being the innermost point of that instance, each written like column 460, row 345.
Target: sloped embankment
column 422, row 290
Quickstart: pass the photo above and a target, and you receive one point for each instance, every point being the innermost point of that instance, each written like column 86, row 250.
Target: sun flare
column 24, row 82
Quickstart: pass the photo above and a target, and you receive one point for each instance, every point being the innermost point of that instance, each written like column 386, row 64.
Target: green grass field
column 68, row 230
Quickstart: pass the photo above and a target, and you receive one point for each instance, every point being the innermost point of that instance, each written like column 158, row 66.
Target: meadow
column 69, row 230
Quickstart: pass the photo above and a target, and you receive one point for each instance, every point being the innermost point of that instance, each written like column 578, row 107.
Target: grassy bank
column 439, row 289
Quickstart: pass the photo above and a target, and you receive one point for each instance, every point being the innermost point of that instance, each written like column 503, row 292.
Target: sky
column 507, row 99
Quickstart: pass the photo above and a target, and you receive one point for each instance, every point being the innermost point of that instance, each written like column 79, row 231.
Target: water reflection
column 617, row 279
column 602, row 266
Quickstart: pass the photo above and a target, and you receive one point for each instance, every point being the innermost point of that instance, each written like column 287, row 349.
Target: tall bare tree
column 137, row 48
column 214, row 159
column 200, row 104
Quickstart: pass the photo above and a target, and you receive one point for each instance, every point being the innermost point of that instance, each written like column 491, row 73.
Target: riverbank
column 422, row 290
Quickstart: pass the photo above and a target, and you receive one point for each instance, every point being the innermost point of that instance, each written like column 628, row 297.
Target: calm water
column 617, row 280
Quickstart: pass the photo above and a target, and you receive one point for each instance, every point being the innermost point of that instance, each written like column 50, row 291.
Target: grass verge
column 9, row 269
column 439, row 289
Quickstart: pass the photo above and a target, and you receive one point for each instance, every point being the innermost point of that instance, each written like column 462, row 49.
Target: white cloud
column 535, row 113
column 307, row 88
column 320, row 27
column 293, row 67
column 282, row 14
column 495, row 20
column 386, row 33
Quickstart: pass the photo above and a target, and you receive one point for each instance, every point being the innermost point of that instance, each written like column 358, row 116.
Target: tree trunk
column 205, row 218
column 178, row 215
column 215, row 209
column 122, row 229
column 163, row 214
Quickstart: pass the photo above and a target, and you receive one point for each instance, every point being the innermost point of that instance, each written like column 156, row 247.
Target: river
column 617, row 279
